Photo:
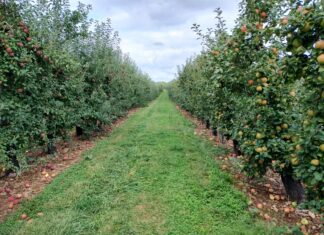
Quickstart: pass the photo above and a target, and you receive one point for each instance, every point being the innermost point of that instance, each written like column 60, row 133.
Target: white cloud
column 157, row 34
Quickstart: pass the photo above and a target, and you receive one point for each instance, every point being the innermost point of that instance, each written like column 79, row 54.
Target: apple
column 264, row 102
column 23, row 216
column 16, row 202
column 10, row 205
column 306, row 123
column 259, row 25
column 20, row 44
column 310, row 113
column 9, row 50
column 297, row 43
column 319, row 44
column 243, row 29
column 250, row 82
column 39, row 53
column 275, row 50
column 259, row 150
column 284, row 21
column 259, row 206
column 322, row 147
column 320, row 59
column 298, row 147
column 264, row 80
column 294, row 161
column 287, row 210
column 259, row 136
column 263, row 14
column 284, row 126
column 315, row 162
column 292, row 93
column 11, row 198
column 259, row 88
column 240, row 133
column 304, row 221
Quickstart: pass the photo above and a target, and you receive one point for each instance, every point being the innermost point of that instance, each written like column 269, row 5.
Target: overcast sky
column 157, row 33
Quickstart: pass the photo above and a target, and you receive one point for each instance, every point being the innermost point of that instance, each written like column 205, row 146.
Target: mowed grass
column 152, row 175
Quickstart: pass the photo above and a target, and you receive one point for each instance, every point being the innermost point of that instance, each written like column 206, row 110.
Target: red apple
column 243, row 29
column 11, row 198
column 16, row 201
column 20, row 44
column 39, row 53
column 263, row 14
column 9, row 50
column 10, row 205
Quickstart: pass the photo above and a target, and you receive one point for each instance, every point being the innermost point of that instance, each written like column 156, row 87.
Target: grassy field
column 152, row 175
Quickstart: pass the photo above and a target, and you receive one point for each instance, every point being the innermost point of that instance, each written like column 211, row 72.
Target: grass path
column 152, row 175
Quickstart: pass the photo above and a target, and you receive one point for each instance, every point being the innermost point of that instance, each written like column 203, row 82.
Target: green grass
column 152, row 175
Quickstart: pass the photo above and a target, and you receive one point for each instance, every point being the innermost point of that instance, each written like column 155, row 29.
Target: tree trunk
column 78, row 131
column 293, row 188
column 236, row 148
column 10, row 152
column 214, row 132
column 14, row 160
column 51, row 148
column 222, row 138
column 207, row 124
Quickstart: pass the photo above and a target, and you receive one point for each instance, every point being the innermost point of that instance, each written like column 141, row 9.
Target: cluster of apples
column 12, row 199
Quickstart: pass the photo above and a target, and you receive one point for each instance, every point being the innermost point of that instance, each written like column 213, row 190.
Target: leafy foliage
column 57, row 74
column 262, row 85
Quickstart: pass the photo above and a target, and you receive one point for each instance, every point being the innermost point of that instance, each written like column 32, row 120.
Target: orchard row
column 262, row 86
column 60, row 71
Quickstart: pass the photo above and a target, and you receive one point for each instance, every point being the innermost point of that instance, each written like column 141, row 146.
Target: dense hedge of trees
column 262, row 86
column 60, row 71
